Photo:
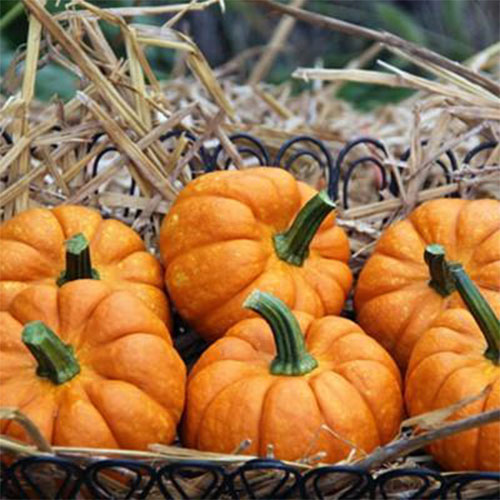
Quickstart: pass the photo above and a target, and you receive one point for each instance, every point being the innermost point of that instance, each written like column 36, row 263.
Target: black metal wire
column 344, row 152
column 394, row 188
column 279, row 490
column 205, row 157
column 456, row 484
column 327, row 166
column 21, row 478
column 359, row 483
column 350, row 172
column 24, row 479
column 139, row 471
column 426, row 477
column 478, row 149
column 260, row 151
column 173, row 472
column 7, row 137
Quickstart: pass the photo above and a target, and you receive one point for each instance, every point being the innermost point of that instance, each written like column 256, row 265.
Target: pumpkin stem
column 78, row 266
column 292, row 245
column 441, row 279
column 292, row 357
column 480, row 309
column 56, row 360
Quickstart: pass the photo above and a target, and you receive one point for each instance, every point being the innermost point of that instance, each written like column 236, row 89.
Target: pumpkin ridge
column 115, row 261
column 214, row 398
column 57, row 215
column 123, row 378
column 479, row 429
column 484, row 240
column 102, row 415
column 405, row 260
column 322, row 412
column 467, row 364
column 441, row 352
column 200, row 420
column 457, row 221
column 47, row 213
column 212, row 311
column 312, row 270
column 317, row 258
column 205, row 245
column 42, row 257
column 331, row 344
column 417, row 231
column 262, row 418
column 396, row 341
column 20, row 408
column 366, row 402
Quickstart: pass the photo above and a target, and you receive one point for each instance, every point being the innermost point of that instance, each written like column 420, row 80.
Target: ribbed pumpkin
column 458, row 357
column 267, row 382
column 33, row 251
column 90, row 366
column 397, row 297
column 233, row 231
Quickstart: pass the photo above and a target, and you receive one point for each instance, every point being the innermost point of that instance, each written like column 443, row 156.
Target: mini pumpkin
column 276, row 386
column 458, row 357
column 91, row 367
column 233, row 231
column 397, row 296
column 33, row 251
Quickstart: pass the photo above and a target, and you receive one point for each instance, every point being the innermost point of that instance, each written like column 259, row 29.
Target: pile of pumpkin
column 255, row 263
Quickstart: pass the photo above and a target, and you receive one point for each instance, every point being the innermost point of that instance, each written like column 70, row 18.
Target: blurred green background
column 455, row 28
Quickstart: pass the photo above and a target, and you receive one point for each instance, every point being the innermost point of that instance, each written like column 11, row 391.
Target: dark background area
column 454, row 28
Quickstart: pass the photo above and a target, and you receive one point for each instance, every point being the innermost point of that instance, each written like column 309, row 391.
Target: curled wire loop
column 322, row 158
column 60, row 477
column 376, row 160
column 247, row 146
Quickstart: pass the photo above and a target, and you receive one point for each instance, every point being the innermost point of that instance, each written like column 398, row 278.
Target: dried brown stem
column 386, row 38
column 404, row 446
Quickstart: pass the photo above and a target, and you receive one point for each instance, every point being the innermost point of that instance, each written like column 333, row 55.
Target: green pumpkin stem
column 441, row 279
column 292, row 245
column 56, row 360
column 292, row 357
column 480, row 309
column 78, row 265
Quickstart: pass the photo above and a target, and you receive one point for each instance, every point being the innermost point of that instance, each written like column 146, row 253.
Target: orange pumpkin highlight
column 220, row 240
column 32, row 251
column 123, row 386
column 393, row 299
column 277, row 386
column 458, row 357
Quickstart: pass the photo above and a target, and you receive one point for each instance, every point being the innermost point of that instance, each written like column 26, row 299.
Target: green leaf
column 399, row 22
column 366, row 97
column 54, row 80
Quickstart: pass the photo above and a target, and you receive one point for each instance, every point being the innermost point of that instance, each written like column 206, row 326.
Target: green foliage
column 397, row 21
column 366, row 97
column 450, row 27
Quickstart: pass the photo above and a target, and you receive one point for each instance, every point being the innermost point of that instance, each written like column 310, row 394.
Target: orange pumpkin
column 397, row 297
column 276, row 386
column 458, row 357
column 230, row 232
column 32, row 251
column 90, row 366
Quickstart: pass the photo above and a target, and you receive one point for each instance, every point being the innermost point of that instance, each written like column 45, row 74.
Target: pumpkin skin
column 393, row 301
column 32, row 251
column 216, row 243
column 447, row 365
column 231, row 394
column 130, row 390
